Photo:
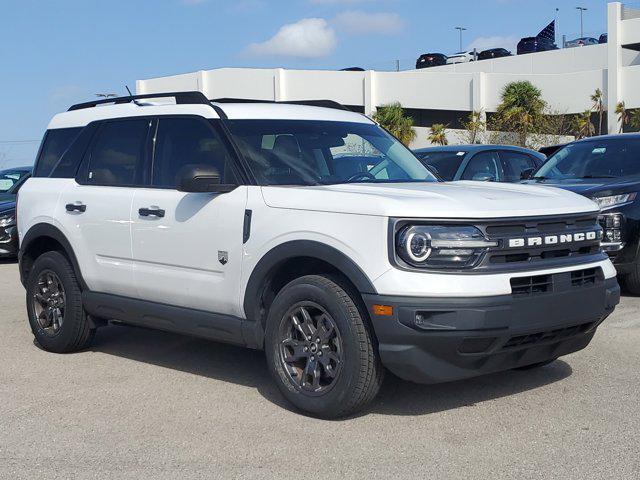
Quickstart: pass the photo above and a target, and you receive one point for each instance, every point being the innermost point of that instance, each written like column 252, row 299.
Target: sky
column 54, row 53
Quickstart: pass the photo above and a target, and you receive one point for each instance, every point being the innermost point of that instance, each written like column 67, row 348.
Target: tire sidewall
column 73, row 314
column 304, row 290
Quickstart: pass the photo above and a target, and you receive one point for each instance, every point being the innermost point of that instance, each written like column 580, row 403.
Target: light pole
column 582, row 10
column 460, row 29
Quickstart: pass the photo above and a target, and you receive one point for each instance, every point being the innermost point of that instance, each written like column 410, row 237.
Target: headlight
column 614, row 200
column 439, row 246
column 8, row 219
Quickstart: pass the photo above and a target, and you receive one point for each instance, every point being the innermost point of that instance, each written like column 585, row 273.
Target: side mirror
column 201, row 179
column 483, row 177
column 527, row 173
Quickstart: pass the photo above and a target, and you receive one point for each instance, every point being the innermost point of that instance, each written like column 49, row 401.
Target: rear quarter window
column 55, row 143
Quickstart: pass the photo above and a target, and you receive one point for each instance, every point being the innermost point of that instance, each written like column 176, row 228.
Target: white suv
column 308, row 232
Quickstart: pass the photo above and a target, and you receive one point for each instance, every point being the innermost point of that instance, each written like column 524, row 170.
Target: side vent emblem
column 223, row 257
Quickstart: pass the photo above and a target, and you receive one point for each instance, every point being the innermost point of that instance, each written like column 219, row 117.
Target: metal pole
column 582, row 10
column 460, row 29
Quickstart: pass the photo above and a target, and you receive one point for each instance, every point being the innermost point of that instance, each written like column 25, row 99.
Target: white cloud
column 362, row 22
column 307, row 38
column 484, row 43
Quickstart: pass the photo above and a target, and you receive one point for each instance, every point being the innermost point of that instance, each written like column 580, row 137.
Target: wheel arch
column 291, row 260
column 42, row 238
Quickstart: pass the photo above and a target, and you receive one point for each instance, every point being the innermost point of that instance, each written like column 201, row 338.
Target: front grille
column 583, row 278
column 548, row 336
column 531, row 285
column 540, row 284
column 507, row 256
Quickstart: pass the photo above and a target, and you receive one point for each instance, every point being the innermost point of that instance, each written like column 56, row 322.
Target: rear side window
column 55, row 143
column 188, row 142
column 485, row 167
column 515, row 163
column 117, row 157
column 445, row 164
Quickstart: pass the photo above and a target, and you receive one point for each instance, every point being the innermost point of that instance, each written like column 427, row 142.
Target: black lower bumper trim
column 433, row 340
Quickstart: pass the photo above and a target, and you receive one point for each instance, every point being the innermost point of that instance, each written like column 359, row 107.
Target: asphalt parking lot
column 144, row 404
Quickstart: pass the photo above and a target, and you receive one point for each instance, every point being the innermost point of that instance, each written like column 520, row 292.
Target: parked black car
column 488, row 163
column 535, row 44
column 10, row 182
column 604, row 38
column 431, row 60
column 607, row 170
column 494, row 53
column 352, row 69
column 550, row 150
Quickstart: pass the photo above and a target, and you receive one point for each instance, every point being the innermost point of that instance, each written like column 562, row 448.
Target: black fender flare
column 39, row 231
column 301, row 248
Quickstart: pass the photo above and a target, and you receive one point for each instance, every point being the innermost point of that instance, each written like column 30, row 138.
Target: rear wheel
column 54, row 305
column 320, row 351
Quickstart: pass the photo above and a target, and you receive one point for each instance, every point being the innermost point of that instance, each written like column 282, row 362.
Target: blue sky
column 55, row 53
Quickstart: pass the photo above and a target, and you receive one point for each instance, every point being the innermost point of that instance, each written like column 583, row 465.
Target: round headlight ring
column 418, row 246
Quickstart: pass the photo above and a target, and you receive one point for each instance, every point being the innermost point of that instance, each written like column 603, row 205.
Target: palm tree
column 521, row 109
column 598, row 105
column 392, row 117
column 475, row 126
column 584, row 126
column 623, row 115
column 438, row 135
column 634, row 118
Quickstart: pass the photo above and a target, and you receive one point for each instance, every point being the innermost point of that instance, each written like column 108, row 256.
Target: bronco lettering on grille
column 565, row 238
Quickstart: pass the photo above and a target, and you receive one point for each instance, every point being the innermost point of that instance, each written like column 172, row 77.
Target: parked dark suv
column 10, row 182
column 607, row 170
column 535, row 44
column 487, row 163
column 494, row 53
column 431, row 60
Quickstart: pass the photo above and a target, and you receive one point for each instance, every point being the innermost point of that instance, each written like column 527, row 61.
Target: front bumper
column 466, row 337
column 8, row 242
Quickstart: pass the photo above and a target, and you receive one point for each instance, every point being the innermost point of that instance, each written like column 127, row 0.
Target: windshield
column 607, row 158
column 8, row 178
column 445, row 164
column 309, row 152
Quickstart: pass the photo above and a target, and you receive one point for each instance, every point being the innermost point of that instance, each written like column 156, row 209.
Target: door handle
column 76, row 207
column 151, row 212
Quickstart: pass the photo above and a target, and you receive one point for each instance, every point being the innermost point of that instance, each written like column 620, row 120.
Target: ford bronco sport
column 306, row 231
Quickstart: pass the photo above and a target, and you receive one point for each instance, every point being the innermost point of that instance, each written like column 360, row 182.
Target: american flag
column 548, row 32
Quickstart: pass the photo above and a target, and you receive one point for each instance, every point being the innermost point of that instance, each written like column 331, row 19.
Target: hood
column 430, row 200
column 593, row 187
column 7, row 205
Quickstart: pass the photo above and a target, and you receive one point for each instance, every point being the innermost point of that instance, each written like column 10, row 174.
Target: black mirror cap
column 527, row 173
column 201, row 179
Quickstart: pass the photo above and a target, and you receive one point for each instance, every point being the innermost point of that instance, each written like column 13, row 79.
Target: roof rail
column 194, row 98
column 310, row 103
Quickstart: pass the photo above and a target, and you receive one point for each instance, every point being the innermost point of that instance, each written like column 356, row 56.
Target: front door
column 187, row 247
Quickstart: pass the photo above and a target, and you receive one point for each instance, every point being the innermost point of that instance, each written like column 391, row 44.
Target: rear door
column 187, row 247
column 94, row 210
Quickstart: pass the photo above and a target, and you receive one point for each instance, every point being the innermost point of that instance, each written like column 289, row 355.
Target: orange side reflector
column 383, row 310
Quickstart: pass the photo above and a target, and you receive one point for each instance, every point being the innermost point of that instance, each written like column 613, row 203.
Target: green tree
column 475, row 125
column 438, row 134
column 598, row 106
column 584, row 127
column 521, row 110
column 392, row 117
column 623, row 115
column 634, row 119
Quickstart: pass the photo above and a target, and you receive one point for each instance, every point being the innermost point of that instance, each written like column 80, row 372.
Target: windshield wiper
column 599, row 176
column 541, row 177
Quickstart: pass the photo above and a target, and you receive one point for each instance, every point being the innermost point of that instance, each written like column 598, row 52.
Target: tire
column 533, row 366
column 52, row 273
column 632, row 281
column 349, row 375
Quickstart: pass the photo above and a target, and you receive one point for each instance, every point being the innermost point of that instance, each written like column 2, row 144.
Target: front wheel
column 320, row 351
column 631, row 281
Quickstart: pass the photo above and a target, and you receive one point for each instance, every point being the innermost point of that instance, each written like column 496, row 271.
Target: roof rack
column 310, row 103
column 193, row 98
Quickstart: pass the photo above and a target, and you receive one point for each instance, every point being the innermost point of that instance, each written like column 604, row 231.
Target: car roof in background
column 17, row 169
column 616, row 136
column 473, row 148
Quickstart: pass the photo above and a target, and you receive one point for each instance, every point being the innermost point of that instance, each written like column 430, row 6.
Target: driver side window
column 484, row 166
